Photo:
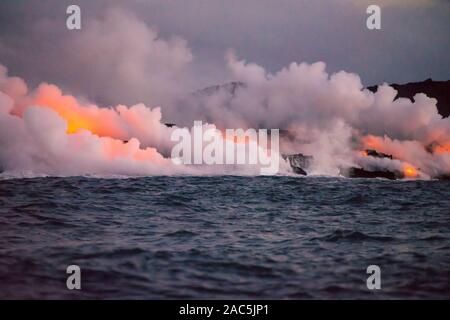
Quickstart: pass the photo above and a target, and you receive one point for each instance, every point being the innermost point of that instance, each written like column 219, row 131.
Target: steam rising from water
column 47, row 132
column 331, row 117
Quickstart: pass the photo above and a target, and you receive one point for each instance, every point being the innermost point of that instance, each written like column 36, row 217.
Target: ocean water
column 224, row 237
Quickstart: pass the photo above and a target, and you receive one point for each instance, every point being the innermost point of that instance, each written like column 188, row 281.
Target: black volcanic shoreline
column 439, row 90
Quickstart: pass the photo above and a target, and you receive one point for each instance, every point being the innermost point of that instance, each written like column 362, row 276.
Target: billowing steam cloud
column 330, row 117
column 47, row 132
column 130, row 55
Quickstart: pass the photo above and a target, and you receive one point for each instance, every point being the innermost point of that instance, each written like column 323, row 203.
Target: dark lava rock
column 230, row 88
column 362, row 173
column 299, row 162
column 376, row 154
column 355, row 172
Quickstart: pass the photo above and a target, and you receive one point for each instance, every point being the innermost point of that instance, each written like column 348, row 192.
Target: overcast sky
column 414, row 43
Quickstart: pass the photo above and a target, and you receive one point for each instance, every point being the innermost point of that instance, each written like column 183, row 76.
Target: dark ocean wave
column 224, row 237
column 354, row 236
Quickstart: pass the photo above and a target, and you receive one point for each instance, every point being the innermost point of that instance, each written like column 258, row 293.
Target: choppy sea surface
column 224, row 237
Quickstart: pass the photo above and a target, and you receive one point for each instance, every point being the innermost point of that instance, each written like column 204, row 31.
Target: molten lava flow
column 410, row 172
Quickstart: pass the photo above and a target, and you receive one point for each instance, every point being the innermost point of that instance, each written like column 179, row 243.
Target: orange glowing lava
column 410, row 172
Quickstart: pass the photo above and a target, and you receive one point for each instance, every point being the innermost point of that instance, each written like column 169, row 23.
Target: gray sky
column 414, row 43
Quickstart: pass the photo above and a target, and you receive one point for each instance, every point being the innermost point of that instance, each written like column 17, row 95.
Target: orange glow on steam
column 363, row 153
column 441, row 149
column 410, row 172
